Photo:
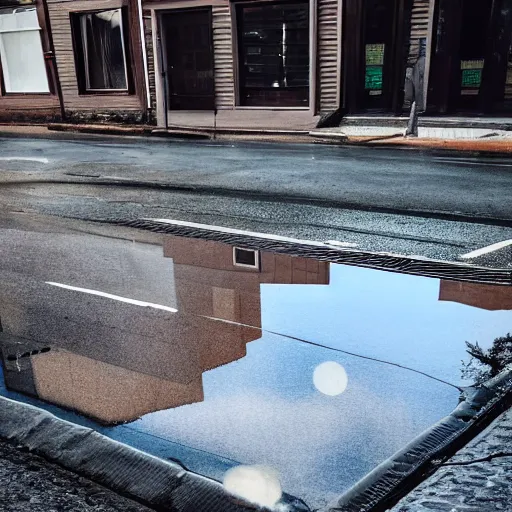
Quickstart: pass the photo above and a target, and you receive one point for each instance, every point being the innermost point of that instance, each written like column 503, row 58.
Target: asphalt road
column 436, row 205
column 361, row 177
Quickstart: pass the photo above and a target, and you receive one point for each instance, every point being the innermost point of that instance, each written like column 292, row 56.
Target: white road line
column 486, row 250
column 41, row 160
column 337, row 243
column 114, row 297
column 253, row 234
column 232, row 231
column 470, row 162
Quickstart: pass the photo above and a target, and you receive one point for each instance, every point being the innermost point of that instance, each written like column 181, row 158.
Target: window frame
column 41, row 30
column 80, row 52
column 236, row 6
column 256, row 253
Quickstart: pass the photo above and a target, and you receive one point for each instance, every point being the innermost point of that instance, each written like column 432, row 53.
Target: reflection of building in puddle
column 106, row 392
column 116, row 362
column 481, row 296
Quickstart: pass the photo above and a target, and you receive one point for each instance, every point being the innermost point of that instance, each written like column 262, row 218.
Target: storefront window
column 273, row 47
column 21, row 52
column 100, row 48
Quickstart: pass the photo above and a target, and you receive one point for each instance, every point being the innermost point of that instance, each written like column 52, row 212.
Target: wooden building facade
column 244, row 64
column 260, row 64
column 100, row 59
column 283, row 64
column 72, row 60
column 471, row 58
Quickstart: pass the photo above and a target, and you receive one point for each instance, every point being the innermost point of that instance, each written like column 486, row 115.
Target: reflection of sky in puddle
column 395, row 317
column 264, row 408
column 261, row 408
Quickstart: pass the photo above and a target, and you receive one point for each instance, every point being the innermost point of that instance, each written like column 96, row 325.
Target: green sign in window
column 373, row 78
column 471, row 78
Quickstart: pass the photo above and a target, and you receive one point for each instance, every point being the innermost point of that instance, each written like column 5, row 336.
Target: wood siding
column 59, row 12
column 148, row 34
column 223, row 57
column 29, row 107
column 419, row 28
column 225, row 74
column 329, row 46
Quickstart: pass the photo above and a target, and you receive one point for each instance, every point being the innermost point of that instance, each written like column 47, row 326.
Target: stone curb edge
column 486, row 147
column 156, row 483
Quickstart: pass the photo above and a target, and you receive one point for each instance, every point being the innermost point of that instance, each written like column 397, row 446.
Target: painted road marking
column 337, row 243
column 114, row 297
column 41, row 160
column 232, row 231
column 253, row 234
column 486, row 250
column 472, row 162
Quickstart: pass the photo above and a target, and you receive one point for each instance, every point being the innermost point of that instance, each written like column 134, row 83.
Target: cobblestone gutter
column 29, row 483
column 465, row 485
column 394, row 478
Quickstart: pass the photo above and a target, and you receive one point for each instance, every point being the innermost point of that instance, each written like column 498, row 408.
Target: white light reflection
column 114, row 297
column 330, row 378
column 256, row 484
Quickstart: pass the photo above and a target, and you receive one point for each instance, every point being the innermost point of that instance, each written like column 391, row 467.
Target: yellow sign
column 375, row 54
column 472, row 64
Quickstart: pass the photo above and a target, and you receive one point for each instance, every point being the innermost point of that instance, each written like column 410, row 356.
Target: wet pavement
column 215, row 357
column 435, row 205
column 366, row 231
column 386, row 180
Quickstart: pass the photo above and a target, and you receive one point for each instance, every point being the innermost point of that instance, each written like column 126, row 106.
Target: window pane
column 21, row 53
column 104, row 51
column 274, row 54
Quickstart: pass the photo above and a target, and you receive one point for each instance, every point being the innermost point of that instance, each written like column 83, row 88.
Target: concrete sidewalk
column 496, row 145
column 29, row 483
column 490, row 145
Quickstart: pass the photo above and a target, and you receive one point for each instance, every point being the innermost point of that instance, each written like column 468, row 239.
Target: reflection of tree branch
column 488, row 363
column 489, row 457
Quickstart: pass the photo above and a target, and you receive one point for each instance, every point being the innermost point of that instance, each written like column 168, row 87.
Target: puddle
column 216, row 357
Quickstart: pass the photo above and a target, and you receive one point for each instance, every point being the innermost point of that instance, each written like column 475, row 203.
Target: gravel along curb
column 29, row 483
column 161, row 485
column 395, row 477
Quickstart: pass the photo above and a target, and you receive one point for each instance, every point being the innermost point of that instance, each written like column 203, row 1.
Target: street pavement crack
column 489, row 458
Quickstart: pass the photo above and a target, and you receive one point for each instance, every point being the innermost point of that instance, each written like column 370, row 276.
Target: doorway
column 188, row 57
column 470, row 69
column 374, row 55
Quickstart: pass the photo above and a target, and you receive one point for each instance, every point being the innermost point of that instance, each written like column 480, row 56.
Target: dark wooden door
column 374, row 54
column 470, row 56
column 189, row 54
